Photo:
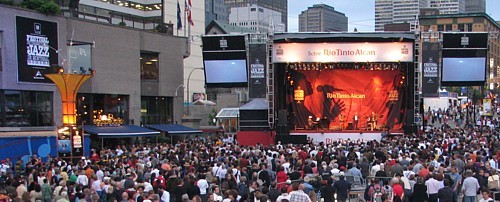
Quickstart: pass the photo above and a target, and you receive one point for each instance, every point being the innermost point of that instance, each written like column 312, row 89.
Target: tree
column 47, row 7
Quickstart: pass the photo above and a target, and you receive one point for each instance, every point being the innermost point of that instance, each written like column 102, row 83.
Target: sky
column 360, row 13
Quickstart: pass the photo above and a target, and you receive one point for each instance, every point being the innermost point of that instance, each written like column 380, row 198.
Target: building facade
column 136, row 75
column 475, row 6
column 431, row 28
column 322, row 18
column 215, row 10
column 407, row 11
column 256, row 18
column 148, row 15
column 275, row 5
column 448, row 6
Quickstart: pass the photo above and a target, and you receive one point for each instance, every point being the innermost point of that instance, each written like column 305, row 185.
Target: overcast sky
column 360, row 13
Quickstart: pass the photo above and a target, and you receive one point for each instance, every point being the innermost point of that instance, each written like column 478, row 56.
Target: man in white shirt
column 82, row 179
column 203, row 186
column 433, row 187
column 165, row 196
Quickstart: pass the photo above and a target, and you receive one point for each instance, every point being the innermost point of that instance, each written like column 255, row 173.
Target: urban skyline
column 364, row 20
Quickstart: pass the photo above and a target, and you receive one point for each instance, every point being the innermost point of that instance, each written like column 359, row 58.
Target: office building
column 136, row 79
column 257, row 18
column 448, row 6
column 148, row 15
column 397, row 11
column 432, row 25
column 275, row 5
column 322, row 18
column 475, row 6
column 216, row 10
column 407, row 11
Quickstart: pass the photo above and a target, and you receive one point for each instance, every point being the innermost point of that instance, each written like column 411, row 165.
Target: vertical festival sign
column 36, row 49
column 430, row 69
column 257, row 56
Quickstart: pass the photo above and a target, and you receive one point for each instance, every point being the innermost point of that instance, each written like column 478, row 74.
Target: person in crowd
column 215, row 169
column 470, row 187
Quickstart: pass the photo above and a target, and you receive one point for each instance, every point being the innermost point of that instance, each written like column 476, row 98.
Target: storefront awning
column 174, row 129
column 120, row 131
column 228, row 113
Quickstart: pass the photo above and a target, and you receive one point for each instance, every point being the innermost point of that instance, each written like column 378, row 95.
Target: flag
column 179, row 20
column 188, row 11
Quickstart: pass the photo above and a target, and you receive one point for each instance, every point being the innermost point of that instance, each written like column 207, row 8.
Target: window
column 90, row 106
column 25, row 108
column 469, row 27
column 440, row 28
column 449, row 27
column 156, row 110
column 149, row 66
column 461, row 27
column 253, row 9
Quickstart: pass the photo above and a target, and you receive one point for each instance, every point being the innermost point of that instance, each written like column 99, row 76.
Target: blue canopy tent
column 174, row 129
column 123, row 131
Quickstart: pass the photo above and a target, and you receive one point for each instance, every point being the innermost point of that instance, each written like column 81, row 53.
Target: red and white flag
column 188, row 11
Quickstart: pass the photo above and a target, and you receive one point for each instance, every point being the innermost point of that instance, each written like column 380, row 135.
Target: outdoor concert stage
column 329, row 84
column 327, row 136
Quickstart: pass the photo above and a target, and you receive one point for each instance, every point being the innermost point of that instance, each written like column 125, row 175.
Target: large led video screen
column 464, row 69
column 226, row 72
column 328, row 95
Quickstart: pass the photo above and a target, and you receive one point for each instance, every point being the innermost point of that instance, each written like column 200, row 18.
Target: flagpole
column 185, row 13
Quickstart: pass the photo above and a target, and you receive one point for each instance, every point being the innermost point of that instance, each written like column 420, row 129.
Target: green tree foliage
column 47, row 7
column 7, row 2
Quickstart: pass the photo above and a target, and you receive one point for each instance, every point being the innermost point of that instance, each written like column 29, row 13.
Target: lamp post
column 187, row 89
column 68, row 85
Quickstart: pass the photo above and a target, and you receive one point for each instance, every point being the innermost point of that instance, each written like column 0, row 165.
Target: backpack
column 366, row 195
column 492, row 183
column 243, row 190
column 377, row 194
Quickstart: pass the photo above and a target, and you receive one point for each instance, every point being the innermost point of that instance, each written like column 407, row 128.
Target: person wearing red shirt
column 94, row 157
column 397, row 190
column 244, row 162
column 281, row 178
column 423, row 172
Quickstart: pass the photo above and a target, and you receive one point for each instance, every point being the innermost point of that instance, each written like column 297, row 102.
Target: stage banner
column 430, row 69
column 257, row 56
column 36, row 49
column 347, row 99
column 343, row 52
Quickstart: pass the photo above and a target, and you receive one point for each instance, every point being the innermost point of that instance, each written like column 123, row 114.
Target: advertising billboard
column 37, row 49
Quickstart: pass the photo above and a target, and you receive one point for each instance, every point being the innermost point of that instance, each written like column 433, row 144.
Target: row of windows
column 25, row 108
column 154, row 109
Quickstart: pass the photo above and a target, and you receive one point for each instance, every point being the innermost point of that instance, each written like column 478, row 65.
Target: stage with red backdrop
column 346, row 99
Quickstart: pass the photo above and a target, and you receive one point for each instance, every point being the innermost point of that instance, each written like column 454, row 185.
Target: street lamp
column 187, row 88
column 177, row 89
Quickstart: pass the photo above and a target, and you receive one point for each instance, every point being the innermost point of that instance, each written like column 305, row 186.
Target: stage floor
column 328, row 136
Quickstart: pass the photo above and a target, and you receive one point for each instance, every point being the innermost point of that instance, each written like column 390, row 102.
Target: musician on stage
column 342, row 120
column 356, row 118
column 373, row 121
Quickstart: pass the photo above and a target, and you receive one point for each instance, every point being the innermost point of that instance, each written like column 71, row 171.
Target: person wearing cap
column 342, row 188
column 327, row 190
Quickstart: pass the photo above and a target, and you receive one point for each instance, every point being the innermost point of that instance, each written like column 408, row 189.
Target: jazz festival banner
column 328, row 94
column 430, row 69
column 36, row 49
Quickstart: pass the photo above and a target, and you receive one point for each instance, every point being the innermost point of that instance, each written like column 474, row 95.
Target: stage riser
column 328, row 138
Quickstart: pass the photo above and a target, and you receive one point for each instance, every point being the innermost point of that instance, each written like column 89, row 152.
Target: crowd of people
column 443, row 163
